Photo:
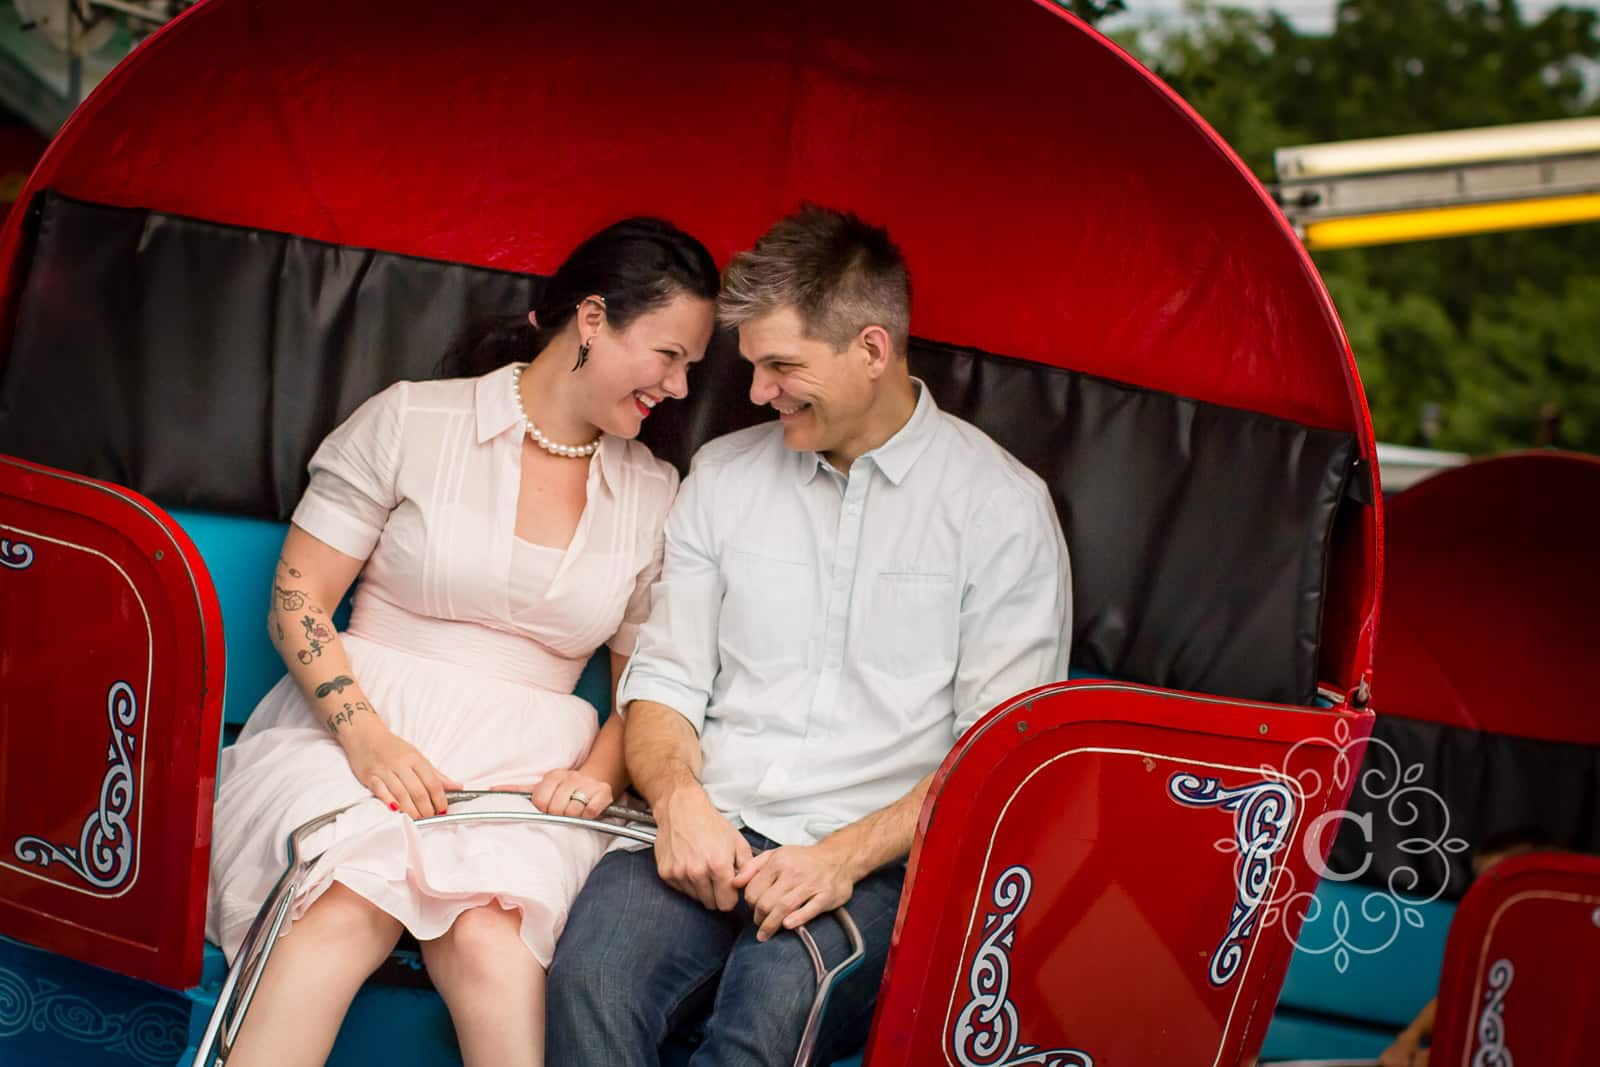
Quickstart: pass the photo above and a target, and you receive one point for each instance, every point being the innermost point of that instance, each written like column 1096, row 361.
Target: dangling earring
column 583, row 355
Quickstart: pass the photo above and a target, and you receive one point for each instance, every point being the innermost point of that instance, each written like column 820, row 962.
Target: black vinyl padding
column 200, row 364
column 1424, row 784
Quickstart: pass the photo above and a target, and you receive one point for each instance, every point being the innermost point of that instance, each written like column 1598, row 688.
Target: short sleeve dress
column 468, row 642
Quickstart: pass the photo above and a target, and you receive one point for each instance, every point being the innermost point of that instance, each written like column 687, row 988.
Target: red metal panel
column 110, row 701
column 1522, row 967
column 1492, row 605
column 1112, row 874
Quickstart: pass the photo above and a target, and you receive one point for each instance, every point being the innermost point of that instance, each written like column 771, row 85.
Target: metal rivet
column 1262, row 728
column 159, row 554
column 1022, row 727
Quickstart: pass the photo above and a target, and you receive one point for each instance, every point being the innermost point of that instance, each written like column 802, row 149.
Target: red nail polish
column 393, row 806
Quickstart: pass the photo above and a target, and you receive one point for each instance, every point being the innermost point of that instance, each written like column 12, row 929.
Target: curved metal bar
column 825, row 981
column 227, row 1017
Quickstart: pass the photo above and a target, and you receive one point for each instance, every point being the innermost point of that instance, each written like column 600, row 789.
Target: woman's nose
column 676, row 383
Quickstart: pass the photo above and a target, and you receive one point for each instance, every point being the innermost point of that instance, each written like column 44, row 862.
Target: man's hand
column 697, row 850
column 789, row 886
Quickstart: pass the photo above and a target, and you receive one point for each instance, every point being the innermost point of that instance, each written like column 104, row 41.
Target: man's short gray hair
column 839, row 274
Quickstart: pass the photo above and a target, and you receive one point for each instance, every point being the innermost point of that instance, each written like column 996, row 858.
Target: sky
column 1313, row 16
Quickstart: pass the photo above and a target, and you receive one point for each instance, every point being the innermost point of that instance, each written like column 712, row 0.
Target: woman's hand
column 567, row 792
column 395, row 771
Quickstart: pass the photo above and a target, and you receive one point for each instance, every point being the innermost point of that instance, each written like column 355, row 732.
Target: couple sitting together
column 798, row 635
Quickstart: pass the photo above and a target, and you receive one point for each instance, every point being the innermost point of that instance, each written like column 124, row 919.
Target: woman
column 504, row 526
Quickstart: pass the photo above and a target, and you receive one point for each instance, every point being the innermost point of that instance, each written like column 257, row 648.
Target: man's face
column 821, row 395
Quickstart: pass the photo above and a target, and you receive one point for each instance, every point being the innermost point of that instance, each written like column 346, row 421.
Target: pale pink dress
column 468, row 642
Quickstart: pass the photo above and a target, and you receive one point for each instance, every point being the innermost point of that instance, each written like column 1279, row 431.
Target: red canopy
column 1055, row 201
column 1491, row 609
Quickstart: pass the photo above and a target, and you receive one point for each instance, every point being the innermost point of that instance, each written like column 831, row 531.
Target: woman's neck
column 551, row 394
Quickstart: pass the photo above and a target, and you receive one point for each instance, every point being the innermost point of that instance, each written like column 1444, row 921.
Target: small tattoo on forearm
column 318, row 633
column 347, row 715
column 335, row 686
column 289, row 599
column 282, row 565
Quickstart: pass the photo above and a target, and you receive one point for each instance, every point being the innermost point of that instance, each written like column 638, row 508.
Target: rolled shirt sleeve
column 353, row 477
column 1016, row 609
column 675, row 658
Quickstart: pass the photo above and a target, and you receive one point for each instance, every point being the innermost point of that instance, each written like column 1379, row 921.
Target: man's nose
column 762, row 389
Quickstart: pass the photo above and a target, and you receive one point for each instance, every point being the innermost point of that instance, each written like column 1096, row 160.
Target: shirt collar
column 896, row 456
column 497, row 413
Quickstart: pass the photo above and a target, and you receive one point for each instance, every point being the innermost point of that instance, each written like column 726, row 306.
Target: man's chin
column 798, row 438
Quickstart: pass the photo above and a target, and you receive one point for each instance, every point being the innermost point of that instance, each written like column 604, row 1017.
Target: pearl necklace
column 570, row 451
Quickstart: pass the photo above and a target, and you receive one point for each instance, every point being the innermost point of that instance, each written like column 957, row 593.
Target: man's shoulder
column 762, row 442
column 985, row 466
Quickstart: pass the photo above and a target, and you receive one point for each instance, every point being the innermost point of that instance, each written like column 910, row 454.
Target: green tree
column 1497, row 334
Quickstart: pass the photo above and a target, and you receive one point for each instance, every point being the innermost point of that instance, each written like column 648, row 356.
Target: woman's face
column 630, row 371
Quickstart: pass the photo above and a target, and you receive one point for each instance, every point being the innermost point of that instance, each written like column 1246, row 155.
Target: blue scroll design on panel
column 987, row 1032
column 104, row 856
column 15, row 554
column 1263, row 812
column 1492, row 1051
column 151, row 1033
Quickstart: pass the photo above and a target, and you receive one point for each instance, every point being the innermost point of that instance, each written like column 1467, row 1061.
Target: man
column 844, row 592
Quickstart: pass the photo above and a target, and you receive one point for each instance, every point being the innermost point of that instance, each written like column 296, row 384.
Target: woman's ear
column 591, row 316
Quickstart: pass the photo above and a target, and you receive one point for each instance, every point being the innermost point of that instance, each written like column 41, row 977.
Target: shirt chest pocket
column 911, row 624
column 768, row 608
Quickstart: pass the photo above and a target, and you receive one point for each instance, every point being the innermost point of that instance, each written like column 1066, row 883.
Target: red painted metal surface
column 1056, row 202
column 1082, row 882
column 1521, row 972
column 111, row 684
column 1492, row 604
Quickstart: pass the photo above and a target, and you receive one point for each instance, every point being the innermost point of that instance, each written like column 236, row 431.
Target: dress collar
column 497, row 414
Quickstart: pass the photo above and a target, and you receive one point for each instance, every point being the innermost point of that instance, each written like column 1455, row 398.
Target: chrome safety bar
column 244, row 976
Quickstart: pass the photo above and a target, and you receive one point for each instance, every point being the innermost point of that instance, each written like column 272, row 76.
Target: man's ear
column 874, row 342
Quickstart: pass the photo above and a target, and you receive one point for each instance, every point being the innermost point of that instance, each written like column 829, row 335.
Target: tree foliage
column 1478, row 343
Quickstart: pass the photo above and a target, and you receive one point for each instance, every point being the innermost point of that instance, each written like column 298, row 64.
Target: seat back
column 1522, row 966
column 219, row 357
column 110, row 697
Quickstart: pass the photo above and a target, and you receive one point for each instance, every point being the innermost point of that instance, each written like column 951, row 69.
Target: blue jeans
column 640, row 961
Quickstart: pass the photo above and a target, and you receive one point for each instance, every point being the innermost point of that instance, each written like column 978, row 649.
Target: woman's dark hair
column 638, row 265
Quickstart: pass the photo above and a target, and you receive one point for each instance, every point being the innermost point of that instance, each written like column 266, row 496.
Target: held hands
column 789, row 886
column 697, row 850
column 394, row 770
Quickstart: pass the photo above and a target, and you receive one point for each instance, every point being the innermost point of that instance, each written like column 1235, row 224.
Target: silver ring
column 580, row 796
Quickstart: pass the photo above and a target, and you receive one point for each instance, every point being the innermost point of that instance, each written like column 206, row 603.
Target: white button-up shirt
column 829, row 636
